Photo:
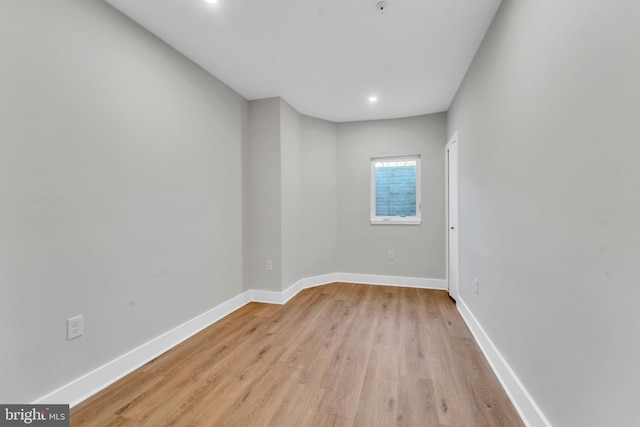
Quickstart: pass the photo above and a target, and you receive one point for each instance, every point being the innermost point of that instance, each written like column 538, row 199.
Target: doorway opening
column 452, row 203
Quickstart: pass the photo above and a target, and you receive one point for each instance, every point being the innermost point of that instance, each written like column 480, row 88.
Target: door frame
column 453, row 293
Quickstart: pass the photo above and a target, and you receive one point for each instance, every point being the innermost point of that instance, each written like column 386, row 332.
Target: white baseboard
column 529, row 411
column 269, row 297
column 273, row 297
column 406, row 282
column 87, row 385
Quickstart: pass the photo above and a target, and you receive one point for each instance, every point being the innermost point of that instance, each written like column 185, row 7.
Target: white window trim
column 396, row 220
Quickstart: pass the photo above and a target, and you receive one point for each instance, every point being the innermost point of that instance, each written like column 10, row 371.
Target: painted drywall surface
column 263, row 213
column 119, row 190
column 318, row 210
column 290, row 205
column 290, row 191
column 547, row 123
column 362, row 247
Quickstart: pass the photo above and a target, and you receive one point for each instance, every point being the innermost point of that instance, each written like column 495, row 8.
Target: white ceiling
column 327, row 57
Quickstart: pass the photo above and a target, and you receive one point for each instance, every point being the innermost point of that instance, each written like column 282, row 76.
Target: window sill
column 396, row 221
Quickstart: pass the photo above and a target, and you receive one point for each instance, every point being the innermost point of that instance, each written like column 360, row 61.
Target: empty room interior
column 192, row 228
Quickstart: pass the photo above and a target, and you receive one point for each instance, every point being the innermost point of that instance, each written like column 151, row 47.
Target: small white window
column 395, row 190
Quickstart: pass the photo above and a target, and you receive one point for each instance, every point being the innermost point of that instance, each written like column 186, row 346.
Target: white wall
column 547, row 120
column 120, row 190
column 140, row 191
column 325, row 227
column 291, row 192
column 272, row 203
column 319, row 197
column 262, row 213
column 313, row 218
column 362, row 247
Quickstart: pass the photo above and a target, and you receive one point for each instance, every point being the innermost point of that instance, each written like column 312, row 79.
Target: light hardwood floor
column 335, row 355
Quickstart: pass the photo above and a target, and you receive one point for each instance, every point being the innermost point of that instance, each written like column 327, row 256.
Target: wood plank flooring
column 335, row 355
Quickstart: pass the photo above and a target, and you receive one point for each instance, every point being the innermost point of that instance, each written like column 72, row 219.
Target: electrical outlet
column 75, row 327
column 391, row 255
column 477, row 286
column 269, row 265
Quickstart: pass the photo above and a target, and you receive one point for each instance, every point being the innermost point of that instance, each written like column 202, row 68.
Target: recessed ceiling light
column 382, row 6
column 212, row 1
column 373, row 99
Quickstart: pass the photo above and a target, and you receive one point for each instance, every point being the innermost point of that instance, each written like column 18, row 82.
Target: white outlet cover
column 75, row 327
